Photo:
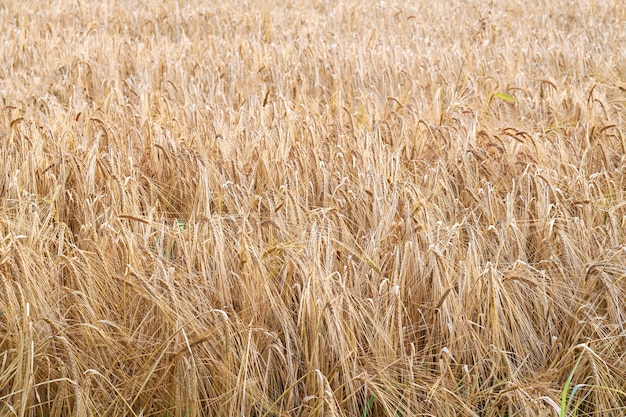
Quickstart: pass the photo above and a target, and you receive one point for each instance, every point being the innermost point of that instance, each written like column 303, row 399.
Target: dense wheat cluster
column 312, row 208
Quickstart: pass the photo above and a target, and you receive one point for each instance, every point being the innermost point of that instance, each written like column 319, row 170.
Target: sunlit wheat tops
column 312, row 208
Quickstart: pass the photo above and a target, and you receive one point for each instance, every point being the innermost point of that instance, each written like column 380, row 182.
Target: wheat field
column 312, row 208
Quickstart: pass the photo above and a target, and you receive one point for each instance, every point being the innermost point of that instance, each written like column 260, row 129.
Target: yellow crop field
column 270, row 208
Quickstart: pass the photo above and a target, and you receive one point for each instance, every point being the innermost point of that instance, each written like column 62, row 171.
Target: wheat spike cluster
column 312, row 208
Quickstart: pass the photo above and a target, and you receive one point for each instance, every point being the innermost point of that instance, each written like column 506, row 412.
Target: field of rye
column 312, row 208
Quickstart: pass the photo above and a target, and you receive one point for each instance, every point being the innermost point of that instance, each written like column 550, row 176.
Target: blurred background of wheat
column 332, row 208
